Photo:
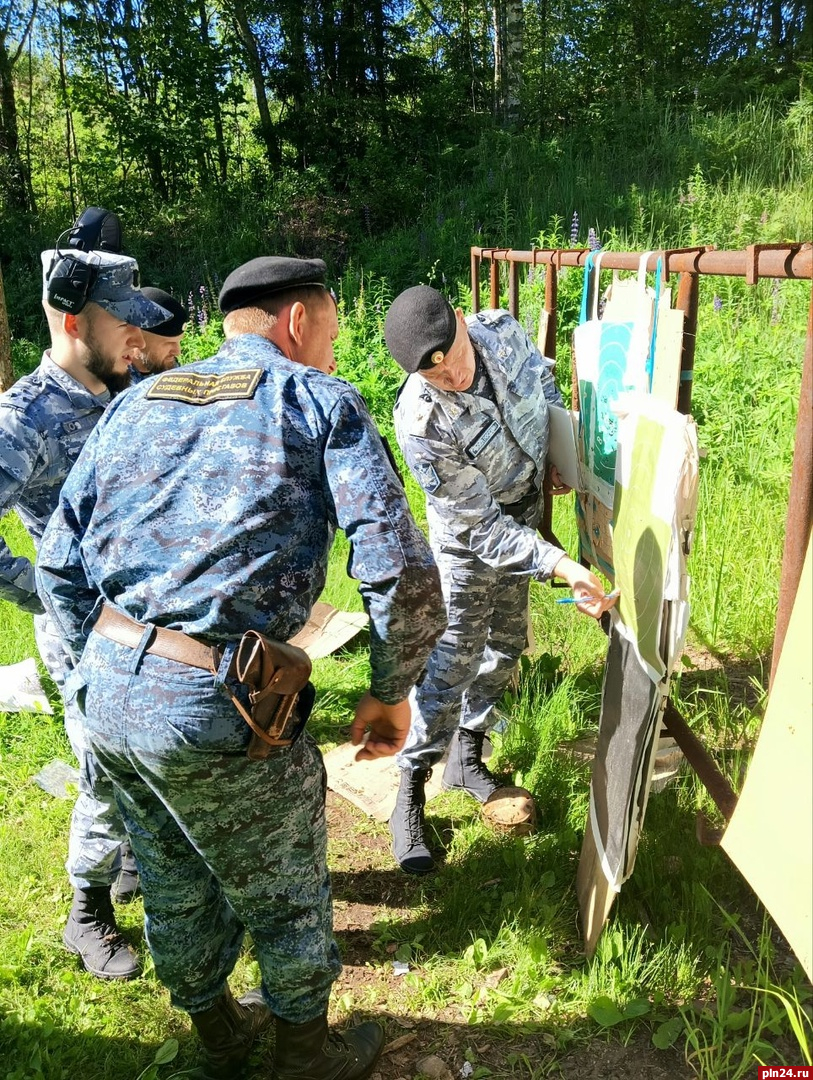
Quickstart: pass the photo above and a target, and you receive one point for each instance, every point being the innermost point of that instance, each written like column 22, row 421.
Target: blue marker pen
column 585, row 599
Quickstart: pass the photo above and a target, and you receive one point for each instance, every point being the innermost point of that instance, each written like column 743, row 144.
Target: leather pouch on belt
column 275, row 673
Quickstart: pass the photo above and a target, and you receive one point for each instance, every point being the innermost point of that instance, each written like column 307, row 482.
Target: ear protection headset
column 70, row 280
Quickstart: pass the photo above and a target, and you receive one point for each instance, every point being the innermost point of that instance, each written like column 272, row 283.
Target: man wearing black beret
column 247, row 463
column 472, row 422
column 162, row 343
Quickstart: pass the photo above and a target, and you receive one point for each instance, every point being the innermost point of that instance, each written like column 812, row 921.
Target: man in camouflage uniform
column 45, row 419
column 162, row 343
column 472, row 422
column 247, row 464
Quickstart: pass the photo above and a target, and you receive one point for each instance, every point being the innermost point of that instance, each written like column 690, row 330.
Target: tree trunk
column 6, row 370
column 15, row 179
column 255, row 67
column 508, row 26
column 211, row 88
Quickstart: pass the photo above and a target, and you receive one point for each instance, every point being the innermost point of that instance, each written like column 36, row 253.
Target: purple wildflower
column 718, row 304
column 592, row 240
column 574, row 228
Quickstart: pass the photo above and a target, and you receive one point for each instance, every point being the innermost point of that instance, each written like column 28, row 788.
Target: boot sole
column 98, row 974
column 468, row 791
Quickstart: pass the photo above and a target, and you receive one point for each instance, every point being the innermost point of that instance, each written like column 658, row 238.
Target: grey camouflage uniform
column 229, row 513
column 481, row 464
column 45, row 419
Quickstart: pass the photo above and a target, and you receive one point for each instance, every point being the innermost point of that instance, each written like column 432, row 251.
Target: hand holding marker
column 586, row 599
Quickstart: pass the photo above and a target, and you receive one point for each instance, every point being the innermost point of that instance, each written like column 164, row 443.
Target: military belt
column 519, row 509
column 171, row 644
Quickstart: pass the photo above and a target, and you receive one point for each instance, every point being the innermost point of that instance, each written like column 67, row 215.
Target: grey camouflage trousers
column 96, row 831
column 224, row 845
column 473, row 662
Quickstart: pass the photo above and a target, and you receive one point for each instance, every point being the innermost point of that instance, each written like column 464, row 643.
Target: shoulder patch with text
column 482, row 438
column 195, row 389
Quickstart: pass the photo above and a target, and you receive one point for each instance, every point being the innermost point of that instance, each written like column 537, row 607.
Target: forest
column 219, row 130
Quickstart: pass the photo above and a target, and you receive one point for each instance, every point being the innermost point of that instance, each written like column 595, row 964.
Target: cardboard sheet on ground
column 328, row 629
column 21, row 689
column 372, row 786
column 770, row 836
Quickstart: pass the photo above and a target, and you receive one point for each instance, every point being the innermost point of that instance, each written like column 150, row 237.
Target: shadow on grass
column 37, row 1049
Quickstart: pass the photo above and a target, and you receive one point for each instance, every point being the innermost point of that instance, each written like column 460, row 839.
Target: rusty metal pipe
column 475, row 281
column 800, row 502
column 789, row 261
column 513, row 289
column 724, row 796
column 551, row 301
column 687, row 302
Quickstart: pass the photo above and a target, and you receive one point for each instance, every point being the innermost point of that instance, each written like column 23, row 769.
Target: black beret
column 420, row 323
column 266, row 276
column 173, row 327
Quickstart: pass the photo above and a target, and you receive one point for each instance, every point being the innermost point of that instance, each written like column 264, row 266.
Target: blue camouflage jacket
column 473, row 457
column 45, row 419
column 219, row 517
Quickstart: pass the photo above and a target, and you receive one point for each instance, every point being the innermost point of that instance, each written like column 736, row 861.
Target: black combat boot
column 228, row 1029
column 407, row 823
column 91, row 933
column 126, row 887
column 311, row 1051
column 465, row 768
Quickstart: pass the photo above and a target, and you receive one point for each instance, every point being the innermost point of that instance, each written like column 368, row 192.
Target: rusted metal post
column 513, row 289
column 687, row 300
column 724, row 796
column 551, row 298
column 494, row 281
column 475, row 281
column 800, row 502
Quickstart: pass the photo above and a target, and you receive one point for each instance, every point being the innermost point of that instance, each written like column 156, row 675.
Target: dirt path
column 368, row 891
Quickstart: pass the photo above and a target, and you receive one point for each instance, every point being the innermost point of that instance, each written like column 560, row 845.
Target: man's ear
column 296, row 321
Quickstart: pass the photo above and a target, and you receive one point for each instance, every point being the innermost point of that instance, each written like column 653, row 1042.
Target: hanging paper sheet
column 653, row 519
column 612, row 358
column 594, row 522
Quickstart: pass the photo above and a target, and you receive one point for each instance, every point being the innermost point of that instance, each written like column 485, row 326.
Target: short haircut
column 263, row 314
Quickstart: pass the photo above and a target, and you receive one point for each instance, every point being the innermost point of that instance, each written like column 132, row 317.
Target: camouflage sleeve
column 67, row 594
column 399, row 581
column 549, row 387
column 460, row 496
column 20, row 450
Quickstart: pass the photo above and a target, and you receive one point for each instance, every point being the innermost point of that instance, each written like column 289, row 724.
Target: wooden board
column 770, row 835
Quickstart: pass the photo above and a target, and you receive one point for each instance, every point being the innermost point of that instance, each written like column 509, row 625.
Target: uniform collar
column 76, row 391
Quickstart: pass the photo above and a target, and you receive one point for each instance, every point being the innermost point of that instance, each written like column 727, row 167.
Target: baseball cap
column 114, row 284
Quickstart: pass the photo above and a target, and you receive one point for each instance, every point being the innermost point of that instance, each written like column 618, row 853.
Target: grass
column 688, row 960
